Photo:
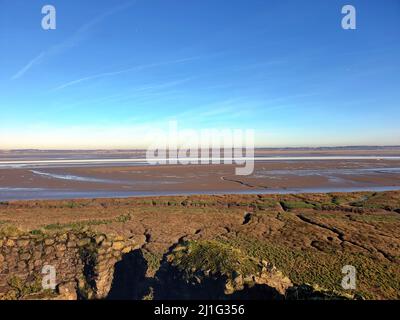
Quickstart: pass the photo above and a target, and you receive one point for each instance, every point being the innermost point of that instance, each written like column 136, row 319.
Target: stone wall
column 98, row 266
column 83, row 261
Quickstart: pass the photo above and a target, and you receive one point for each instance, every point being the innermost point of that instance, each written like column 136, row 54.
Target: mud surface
column 310, row 237
column 63, row 182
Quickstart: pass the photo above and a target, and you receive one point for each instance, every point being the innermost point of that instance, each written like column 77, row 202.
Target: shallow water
column 9, row 194
column 339, row 179
column 325, row 172
column 142, row 161
column 71, row 177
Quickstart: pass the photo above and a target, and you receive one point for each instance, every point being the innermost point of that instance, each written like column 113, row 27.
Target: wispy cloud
column 218, row 110
column 141, row 95
column 30, row 64
column 122, row 71
column 77, row 37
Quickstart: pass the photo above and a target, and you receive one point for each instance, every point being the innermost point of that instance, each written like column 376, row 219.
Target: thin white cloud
column 70, row 42
column 29, row 65
column 142, row 94
column 118, row 72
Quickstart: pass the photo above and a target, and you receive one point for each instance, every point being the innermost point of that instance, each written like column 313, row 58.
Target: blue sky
column 115, row 70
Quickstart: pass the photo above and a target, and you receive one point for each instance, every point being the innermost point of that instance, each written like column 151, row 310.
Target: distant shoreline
column 317, row 148
column 197, row 159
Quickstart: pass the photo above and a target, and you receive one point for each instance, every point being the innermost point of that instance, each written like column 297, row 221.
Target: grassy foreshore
column 306, row 237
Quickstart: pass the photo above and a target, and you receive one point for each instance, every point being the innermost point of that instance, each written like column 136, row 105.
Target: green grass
column 153, row 260
column 378, row 218
column 216, row 257
column 387, row 201
column 82, row 224
column 289, row 205
column 123, row 218
column 9, row 230
column 23, row 288
column 337, row 200
column 37, row 232
column 266, row 204
column 375, row 279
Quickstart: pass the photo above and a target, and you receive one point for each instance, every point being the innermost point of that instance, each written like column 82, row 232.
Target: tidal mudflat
column 102, row 174
column 283, row 232
column 259, row 247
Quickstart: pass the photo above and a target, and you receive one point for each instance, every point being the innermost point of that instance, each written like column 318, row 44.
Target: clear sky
column 114, row 70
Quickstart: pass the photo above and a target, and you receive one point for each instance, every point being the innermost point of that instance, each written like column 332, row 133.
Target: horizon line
column 256, row 148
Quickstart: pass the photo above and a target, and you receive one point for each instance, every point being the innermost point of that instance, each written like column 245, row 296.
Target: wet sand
column 135, row 154
column 282, row 175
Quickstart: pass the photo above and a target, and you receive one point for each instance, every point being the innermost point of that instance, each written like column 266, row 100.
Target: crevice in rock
column 246, row 218
column 89, row 258
column 175, row 283
column 129, row 280
column 112, row 267
column 283, row 206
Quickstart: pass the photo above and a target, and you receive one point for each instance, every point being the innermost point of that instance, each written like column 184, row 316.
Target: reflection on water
column 82, row 161
column 97, row 180
column 71, row 177
column 21, row 189
column 324, row 172
column 340, row 180
column 7, row 194
column 336, row 176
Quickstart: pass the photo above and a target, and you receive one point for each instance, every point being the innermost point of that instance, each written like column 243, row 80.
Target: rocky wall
column 83, row 263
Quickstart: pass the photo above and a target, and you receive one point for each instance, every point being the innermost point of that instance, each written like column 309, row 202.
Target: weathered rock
column 71, row 244
column 68, row 291
column 23, row 243
column 49, row 242
column 62, row 237
column 25, row 256
column 38, row 263
column 117, row 254
column 60, row 247
column 48, row 250
column 10, row 243
column 72, row 237
column 21, row 265
column 100, row 238
column 118, row 238
column 239, row 280
column 83, row 242
column 118, row 245
column 126, row 249
column 106, row 243
column 229, row 287
column 36, row 254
